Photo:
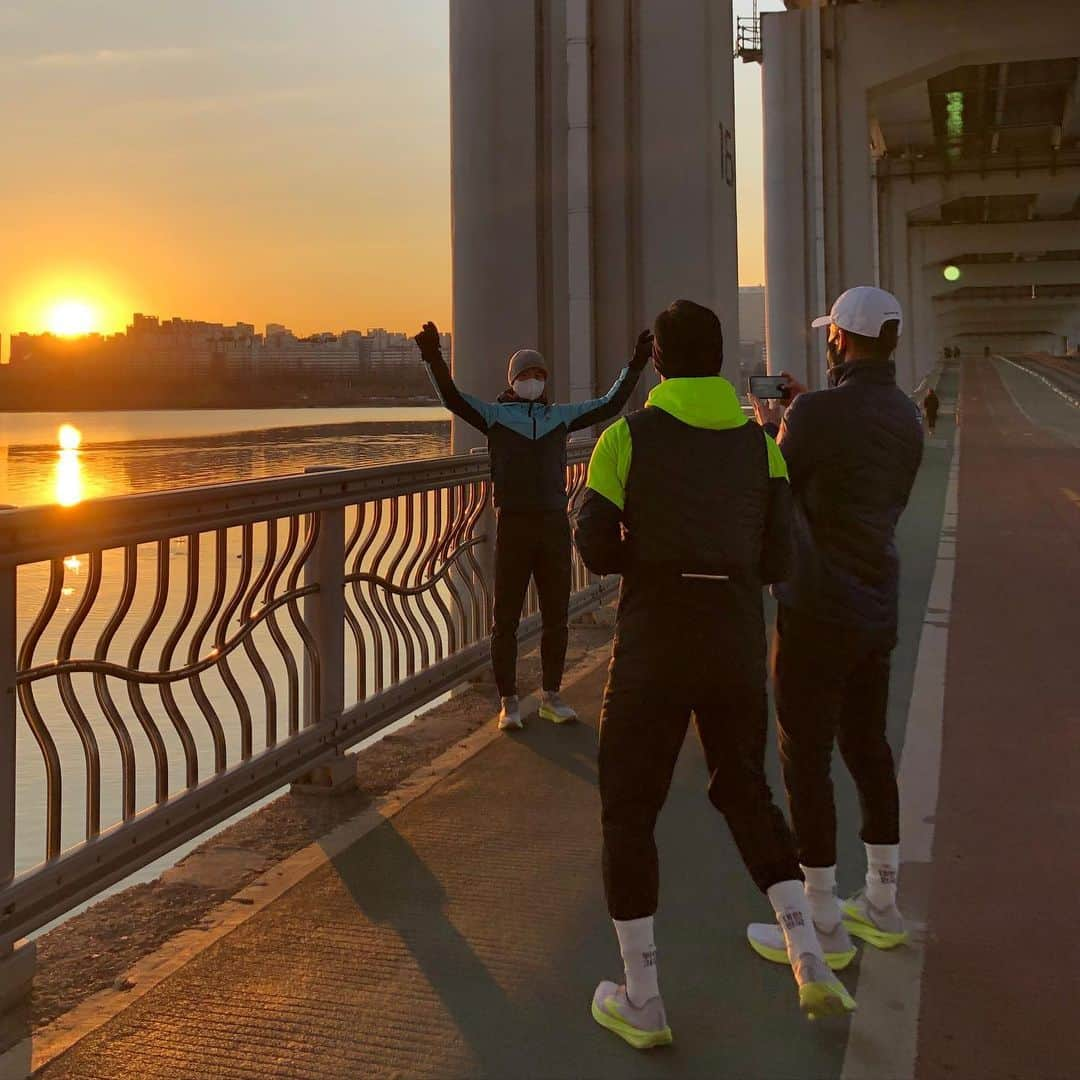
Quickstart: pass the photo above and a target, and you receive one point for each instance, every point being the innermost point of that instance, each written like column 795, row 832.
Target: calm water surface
column 125, row 452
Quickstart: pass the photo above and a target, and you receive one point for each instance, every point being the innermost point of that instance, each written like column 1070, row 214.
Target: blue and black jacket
column 527, row 439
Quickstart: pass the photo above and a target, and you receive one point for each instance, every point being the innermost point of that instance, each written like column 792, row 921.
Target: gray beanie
column 521, row 361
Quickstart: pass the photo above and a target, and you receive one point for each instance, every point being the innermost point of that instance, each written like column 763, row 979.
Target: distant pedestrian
column 527, row 440
column 853, row 452
column 930, row 408
column 689, row 502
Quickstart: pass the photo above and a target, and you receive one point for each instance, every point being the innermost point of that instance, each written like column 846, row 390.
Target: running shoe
column 881, row 927
column 821, row 993
column 510, row 715
column 556, row 710
column 643, row 1027
column 767, row 940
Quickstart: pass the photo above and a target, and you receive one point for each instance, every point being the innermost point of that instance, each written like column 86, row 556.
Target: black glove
column 428, row 340
column 643, row 350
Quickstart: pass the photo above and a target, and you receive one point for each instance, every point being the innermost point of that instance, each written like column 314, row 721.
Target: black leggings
column 832, row 684
column 531, row 545
column 650, row 696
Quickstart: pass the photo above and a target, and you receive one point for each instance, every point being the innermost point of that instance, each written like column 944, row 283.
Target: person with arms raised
column 527, row 437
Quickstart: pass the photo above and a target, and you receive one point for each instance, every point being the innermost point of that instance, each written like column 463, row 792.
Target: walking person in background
column 689, row 502
column 930, row 408
column 852, row 452
column 527, row 441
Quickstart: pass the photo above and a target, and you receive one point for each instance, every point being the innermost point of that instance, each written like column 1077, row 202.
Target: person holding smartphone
column 852, row 453
column 527, row 437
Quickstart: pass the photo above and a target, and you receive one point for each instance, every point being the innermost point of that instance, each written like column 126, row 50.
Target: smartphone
column 769, row 387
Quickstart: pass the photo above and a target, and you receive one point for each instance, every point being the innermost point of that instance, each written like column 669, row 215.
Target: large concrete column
column 686, row 158
column 791, row 263
column 496, row 68
column 593, row 180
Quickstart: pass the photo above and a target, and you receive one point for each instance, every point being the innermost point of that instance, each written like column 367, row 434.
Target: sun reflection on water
column 69, row 478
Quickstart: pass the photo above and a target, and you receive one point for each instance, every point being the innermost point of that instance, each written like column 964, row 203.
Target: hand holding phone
column 769, row 387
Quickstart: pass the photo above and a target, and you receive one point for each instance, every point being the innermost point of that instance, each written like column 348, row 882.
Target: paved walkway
column 464, row 937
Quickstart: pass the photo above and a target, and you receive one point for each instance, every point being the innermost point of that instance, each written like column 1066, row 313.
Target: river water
column 125, row 452
column 42, row 462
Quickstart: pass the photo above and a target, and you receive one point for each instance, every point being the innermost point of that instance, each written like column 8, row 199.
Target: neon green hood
column 702, row 403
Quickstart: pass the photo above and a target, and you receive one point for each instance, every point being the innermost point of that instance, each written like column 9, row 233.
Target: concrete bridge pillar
column 593, row 162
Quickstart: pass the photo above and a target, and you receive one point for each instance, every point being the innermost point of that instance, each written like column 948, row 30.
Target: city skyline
column 294, row 165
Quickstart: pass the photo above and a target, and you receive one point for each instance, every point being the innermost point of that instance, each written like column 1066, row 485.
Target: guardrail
column 174, row 657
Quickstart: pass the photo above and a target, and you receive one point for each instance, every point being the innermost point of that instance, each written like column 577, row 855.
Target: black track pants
column 527, row 546
column 832, row 684
column 659, row 677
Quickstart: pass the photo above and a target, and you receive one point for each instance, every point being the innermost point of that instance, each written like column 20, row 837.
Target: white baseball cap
column 863, row 310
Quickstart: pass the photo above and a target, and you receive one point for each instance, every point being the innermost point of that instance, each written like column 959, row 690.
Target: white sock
column 639, row 959
column 882, row 873
column 793, row 914
column 821, row 894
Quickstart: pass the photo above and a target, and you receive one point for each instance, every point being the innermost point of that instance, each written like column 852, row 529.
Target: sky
column 251, row 160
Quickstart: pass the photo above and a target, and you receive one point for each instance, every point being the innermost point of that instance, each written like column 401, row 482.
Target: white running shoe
column 556, row 710
column 642, row 1026
column 767, row 940
column 510, row 715
column 821, row 993
column 881, row 927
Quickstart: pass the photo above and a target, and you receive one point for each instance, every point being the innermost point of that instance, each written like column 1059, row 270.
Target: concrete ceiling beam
column 1050, row 204
column 941, row 243
column 931, row 38
column 929, row 192
column 991, row 275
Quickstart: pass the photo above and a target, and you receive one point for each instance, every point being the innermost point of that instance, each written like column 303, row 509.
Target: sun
column 70, row 318
column 69, row 437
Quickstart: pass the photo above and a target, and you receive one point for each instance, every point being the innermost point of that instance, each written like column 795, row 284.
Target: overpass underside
column 933, row 149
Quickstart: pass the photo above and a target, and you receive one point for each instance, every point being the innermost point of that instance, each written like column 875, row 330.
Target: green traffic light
column 952, row 273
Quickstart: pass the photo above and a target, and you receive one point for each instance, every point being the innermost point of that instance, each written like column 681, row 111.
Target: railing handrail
column 39, row 533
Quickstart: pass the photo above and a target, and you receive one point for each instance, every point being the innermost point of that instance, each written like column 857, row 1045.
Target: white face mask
column 529, row 389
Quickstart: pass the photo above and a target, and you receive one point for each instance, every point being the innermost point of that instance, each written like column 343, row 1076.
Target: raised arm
column 584, row 414
column 598, row 528
column 476, row 413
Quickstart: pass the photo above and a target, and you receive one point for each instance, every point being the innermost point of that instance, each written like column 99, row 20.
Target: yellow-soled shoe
column 767, row 940
column 881, row 927
column 821, row 993
column 553, row 708
column 643, row 1027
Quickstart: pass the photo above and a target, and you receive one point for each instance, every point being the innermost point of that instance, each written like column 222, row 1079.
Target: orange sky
column 255, row 160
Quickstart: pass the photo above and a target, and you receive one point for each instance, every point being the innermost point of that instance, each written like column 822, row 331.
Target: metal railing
column 166, row 660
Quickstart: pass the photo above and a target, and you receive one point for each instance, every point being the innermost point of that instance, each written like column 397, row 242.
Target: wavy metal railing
column 326, row 605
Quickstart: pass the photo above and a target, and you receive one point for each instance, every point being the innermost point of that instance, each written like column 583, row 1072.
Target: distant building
column 235, row 359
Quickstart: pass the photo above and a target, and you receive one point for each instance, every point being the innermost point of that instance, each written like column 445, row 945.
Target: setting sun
column 70, row 318
column 69, row 437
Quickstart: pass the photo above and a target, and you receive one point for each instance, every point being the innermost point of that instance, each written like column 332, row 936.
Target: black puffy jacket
column 852, row 454
column 685, row 492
